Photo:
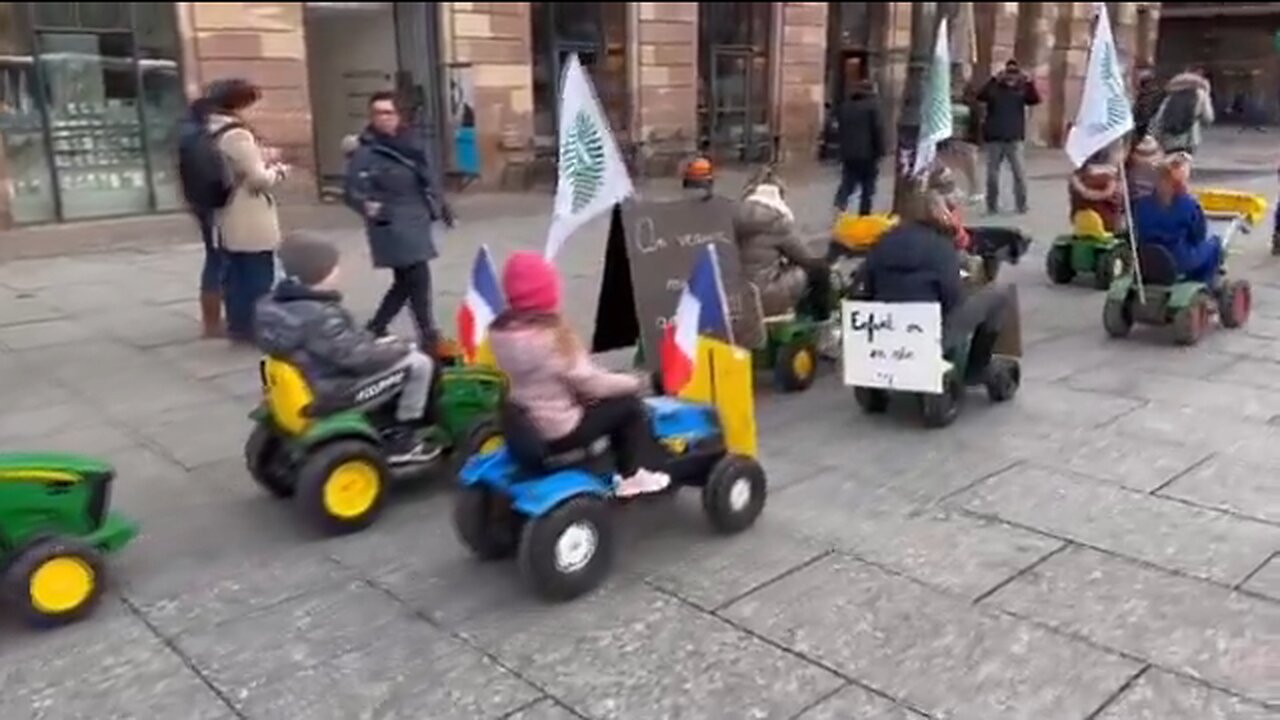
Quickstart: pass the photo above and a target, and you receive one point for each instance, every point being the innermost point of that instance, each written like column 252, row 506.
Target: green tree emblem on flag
column 1117, row 106
column 582, row 161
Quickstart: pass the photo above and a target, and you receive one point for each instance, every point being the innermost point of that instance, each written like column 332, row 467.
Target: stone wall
column 262, row 42
column 666, row 113
column 495, row 39
column 802, row 65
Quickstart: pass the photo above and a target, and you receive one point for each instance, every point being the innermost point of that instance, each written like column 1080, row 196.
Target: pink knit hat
column 531, row 284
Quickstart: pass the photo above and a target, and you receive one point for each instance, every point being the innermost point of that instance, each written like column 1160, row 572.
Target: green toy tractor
column 330, row 458
column 1088, row 250
column 55, row 527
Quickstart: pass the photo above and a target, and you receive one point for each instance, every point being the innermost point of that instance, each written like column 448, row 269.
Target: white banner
column 1105, row 114
column 592, row 176
column 892, row 346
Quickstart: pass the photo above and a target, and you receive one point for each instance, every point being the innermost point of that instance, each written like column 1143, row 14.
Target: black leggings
column 625, row 422
column 411, row 285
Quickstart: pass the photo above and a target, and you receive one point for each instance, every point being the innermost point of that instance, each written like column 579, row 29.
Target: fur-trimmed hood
column 1186, row 80
column 1095, row 182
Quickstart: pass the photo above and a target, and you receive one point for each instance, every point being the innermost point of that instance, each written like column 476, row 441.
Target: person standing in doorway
column 1006, row 98
column 247, row 227
column 861, row 147
column 389, row 184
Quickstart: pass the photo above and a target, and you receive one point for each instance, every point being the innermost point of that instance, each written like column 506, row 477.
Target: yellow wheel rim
column 802, row 364
column 61, row 584
column 491, row 445
column 351, row 489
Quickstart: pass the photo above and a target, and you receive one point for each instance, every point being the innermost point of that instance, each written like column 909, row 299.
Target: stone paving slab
column 415, row 673
column 1142, row 466
column 1230, row 640
column 1267, row 580
column 637, row 654
column 855, row 702
column 1236, row 487
column 933, row 652
column 1160, row 696
column 1192, row 540
column 545, row 709
column 1210, row 398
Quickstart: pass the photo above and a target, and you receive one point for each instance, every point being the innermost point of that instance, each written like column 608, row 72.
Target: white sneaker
column 643, row 482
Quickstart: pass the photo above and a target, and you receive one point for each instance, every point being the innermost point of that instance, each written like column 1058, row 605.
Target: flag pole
column 1133, row 231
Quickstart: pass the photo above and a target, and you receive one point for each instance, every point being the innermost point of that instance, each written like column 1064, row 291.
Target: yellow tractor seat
column 860, row 232
column 1088, row 224
column 287, row 394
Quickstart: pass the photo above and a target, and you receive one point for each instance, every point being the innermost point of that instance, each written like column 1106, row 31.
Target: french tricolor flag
column 481, row 305
column 702, row 310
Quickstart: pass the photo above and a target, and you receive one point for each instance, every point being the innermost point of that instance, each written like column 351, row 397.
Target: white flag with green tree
column 592, row 176
column 1105, row 115
column 935, row 106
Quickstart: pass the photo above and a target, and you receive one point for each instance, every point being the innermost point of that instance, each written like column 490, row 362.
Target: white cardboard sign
column 892, row 346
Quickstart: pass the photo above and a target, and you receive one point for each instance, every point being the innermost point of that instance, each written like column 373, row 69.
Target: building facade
column 92, row 91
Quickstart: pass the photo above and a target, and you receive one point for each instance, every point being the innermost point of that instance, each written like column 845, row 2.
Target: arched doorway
column 734, row 118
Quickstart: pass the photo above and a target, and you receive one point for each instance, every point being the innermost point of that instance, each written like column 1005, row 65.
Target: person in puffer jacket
column 774, row 257
column 569, row 400
column 303, row 322
column 1186, row 108
column 1096, row 186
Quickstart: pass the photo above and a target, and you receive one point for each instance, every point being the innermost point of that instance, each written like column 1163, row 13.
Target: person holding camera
column 1006, row 98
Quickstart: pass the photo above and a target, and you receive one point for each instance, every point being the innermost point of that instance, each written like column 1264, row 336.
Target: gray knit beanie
column 307, row 258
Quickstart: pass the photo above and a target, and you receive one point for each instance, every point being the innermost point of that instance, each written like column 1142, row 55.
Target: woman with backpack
column 1186, row 108
column 247, row 225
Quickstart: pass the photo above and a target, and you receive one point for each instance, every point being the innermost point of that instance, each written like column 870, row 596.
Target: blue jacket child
column 1179, row 225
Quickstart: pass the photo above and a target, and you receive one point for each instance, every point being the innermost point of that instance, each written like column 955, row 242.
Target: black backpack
column 206, row 181
column 1179, row 114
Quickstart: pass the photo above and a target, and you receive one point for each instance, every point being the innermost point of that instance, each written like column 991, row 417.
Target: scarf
column 771, row 197
column 401, row 144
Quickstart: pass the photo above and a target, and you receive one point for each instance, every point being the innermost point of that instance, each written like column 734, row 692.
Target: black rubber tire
column 717, row 495
column 260, row 459
column 784, row 375
column 1104, row 269
column 17, row 580
column 1117, row 317
column 940, row 410
column 314, row 472
column 489, row 531
column 1191, row 322
column 537, row 554
column 470, row 442
column 873, row 401
column 1057, row 265
column 1004, row 377
column 1231, row 316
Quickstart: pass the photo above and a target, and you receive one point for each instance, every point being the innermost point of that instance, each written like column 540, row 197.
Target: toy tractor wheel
column 342, row 486
column 1107, row 266
column 1191, row 322
column 54, row 582
column 941, row 409
column 1235, row 304
column 484, row 436
column 1117, row 316
column 795, row 366
column 873, row 401
column 1057, row 265
column 262, row 456
column 734, row 494
column 1004, row 377
column 486, row 523
column 568, row 551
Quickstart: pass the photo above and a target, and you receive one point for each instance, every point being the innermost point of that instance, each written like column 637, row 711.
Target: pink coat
column 550, row 387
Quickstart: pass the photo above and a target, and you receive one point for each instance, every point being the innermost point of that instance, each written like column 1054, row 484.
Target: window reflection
column 23, row 161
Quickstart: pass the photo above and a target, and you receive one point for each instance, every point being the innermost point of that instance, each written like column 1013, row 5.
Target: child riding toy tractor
column 1168, row 297
column 552, row 512
column 330, row 456
column 55, row 526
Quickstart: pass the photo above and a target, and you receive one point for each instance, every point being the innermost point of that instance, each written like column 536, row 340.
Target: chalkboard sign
column 651, row 252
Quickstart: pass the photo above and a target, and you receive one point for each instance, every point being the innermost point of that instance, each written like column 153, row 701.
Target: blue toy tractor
column 554, row 513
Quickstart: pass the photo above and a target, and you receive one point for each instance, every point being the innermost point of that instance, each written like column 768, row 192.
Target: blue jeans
column 213, row 276
column 249, row 276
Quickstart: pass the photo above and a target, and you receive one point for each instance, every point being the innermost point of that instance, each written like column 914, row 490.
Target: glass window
column 24, row 163
column 163, row 97
column 97, row 139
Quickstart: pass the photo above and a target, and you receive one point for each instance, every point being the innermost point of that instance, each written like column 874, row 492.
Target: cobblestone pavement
column 1103, row 547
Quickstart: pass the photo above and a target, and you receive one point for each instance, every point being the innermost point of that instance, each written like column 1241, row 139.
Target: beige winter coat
column 249, row 221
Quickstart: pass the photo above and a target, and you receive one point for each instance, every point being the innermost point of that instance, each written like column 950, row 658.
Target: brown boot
column 211, row 315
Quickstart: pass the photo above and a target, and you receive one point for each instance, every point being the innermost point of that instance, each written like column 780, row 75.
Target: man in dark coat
column 1148, row 96
column 389, row 183
column 861, row 147
column 1007, row 97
